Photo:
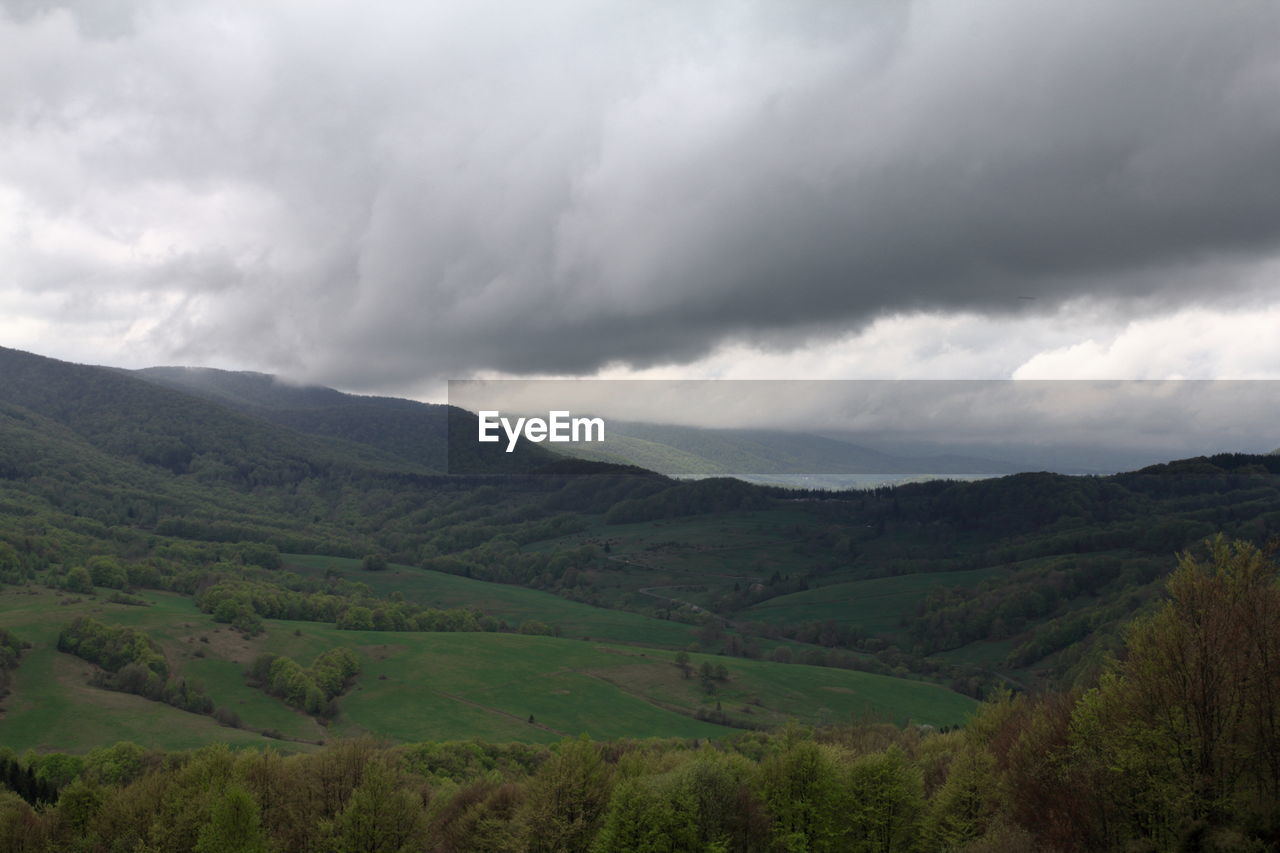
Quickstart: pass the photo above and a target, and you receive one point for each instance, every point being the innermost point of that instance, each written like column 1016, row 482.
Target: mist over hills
column 221, row 416
column 119, row 414
column 420, row 432
column 695, row 451
column 415, row 432
column 168, row 483
column 217, row 456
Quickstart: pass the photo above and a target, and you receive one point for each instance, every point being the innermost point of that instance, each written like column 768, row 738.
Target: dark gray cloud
column 373, row 195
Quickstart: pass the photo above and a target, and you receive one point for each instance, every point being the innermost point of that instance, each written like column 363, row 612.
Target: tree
column 886, row 798
column 1186, row 729
column 235, row 825
column 381, row 816
column 374, row 563
column 728, row 816
column 10, row 562
column 707, row 674
column 356, row 619
column 566, row 799
column 801, row 787
column 115, row 765
column 107, row 571
column 966, row 803
column 78, row 580
column 649, row 815
column 682, row 661
column 20, row 827
column 78, row 803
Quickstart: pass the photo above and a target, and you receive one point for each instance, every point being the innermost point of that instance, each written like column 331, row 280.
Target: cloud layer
column 375, row 196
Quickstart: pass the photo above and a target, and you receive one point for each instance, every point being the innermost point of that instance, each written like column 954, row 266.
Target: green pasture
column 421, row 686
column 877, row 605
column 511, row 603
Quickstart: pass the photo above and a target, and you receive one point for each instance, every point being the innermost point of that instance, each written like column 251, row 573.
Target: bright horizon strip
column 1161, row 419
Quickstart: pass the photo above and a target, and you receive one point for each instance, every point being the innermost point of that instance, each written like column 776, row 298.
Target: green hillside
column 242, row 531
column 514, row 604
column 876, row 605
column 415, row 434
column 416, row 686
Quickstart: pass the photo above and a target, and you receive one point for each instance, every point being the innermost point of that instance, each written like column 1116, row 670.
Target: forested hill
column 141, row 422
column 415, row 432
column 1017, row 576
column 100, row 443
column 213, row 423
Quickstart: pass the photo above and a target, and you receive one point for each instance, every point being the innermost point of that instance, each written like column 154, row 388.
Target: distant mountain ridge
column 99, row 460
column 694, row 451
column 418, row 433
column 415, row 437
column 127, row 417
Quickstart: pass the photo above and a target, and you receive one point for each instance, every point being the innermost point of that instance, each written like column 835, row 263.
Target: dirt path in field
column 697, row 608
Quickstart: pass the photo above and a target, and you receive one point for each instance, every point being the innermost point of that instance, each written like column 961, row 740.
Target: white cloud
column 1190, row 344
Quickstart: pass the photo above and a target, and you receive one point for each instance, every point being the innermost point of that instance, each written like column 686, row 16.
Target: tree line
column 1176, row 747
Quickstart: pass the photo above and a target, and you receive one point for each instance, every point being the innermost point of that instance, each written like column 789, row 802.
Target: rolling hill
column 128, row 499
column 124, row 499
column 416, row 434
column 416, row 686
column 680, row 451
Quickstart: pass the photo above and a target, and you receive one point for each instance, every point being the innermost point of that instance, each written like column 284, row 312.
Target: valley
column 232, row 571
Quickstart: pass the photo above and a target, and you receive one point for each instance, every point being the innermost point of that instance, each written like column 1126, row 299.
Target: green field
column 514, row 604
column 414, row 684
column 421, row 686
column 878, row 605
column 52, row 706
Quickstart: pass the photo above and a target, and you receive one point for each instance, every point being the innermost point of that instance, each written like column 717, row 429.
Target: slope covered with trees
column 1174, row 749
column 215, row 575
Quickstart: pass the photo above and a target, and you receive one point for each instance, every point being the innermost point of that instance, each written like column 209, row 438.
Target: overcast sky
column 1099, row 424
column 380, row 196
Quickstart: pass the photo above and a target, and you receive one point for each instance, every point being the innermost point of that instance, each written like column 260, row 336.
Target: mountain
column 1025, row 452
column 417, row 433
column 118, row 488
column 136, row 420
column 105, row 444
column 681, row 451
column 191, row 535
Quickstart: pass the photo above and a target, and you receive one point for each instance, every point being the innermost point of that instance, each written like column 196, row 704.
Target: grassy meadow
column 423, row 686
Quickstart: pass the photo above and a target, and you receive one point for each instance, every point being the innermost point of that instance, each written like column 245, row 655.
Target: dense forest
column 1177, row 747
column 228, row 625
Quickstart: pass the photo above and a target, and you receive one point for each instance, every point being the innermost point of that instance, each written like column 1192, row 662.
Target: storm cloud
column 367, row 195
